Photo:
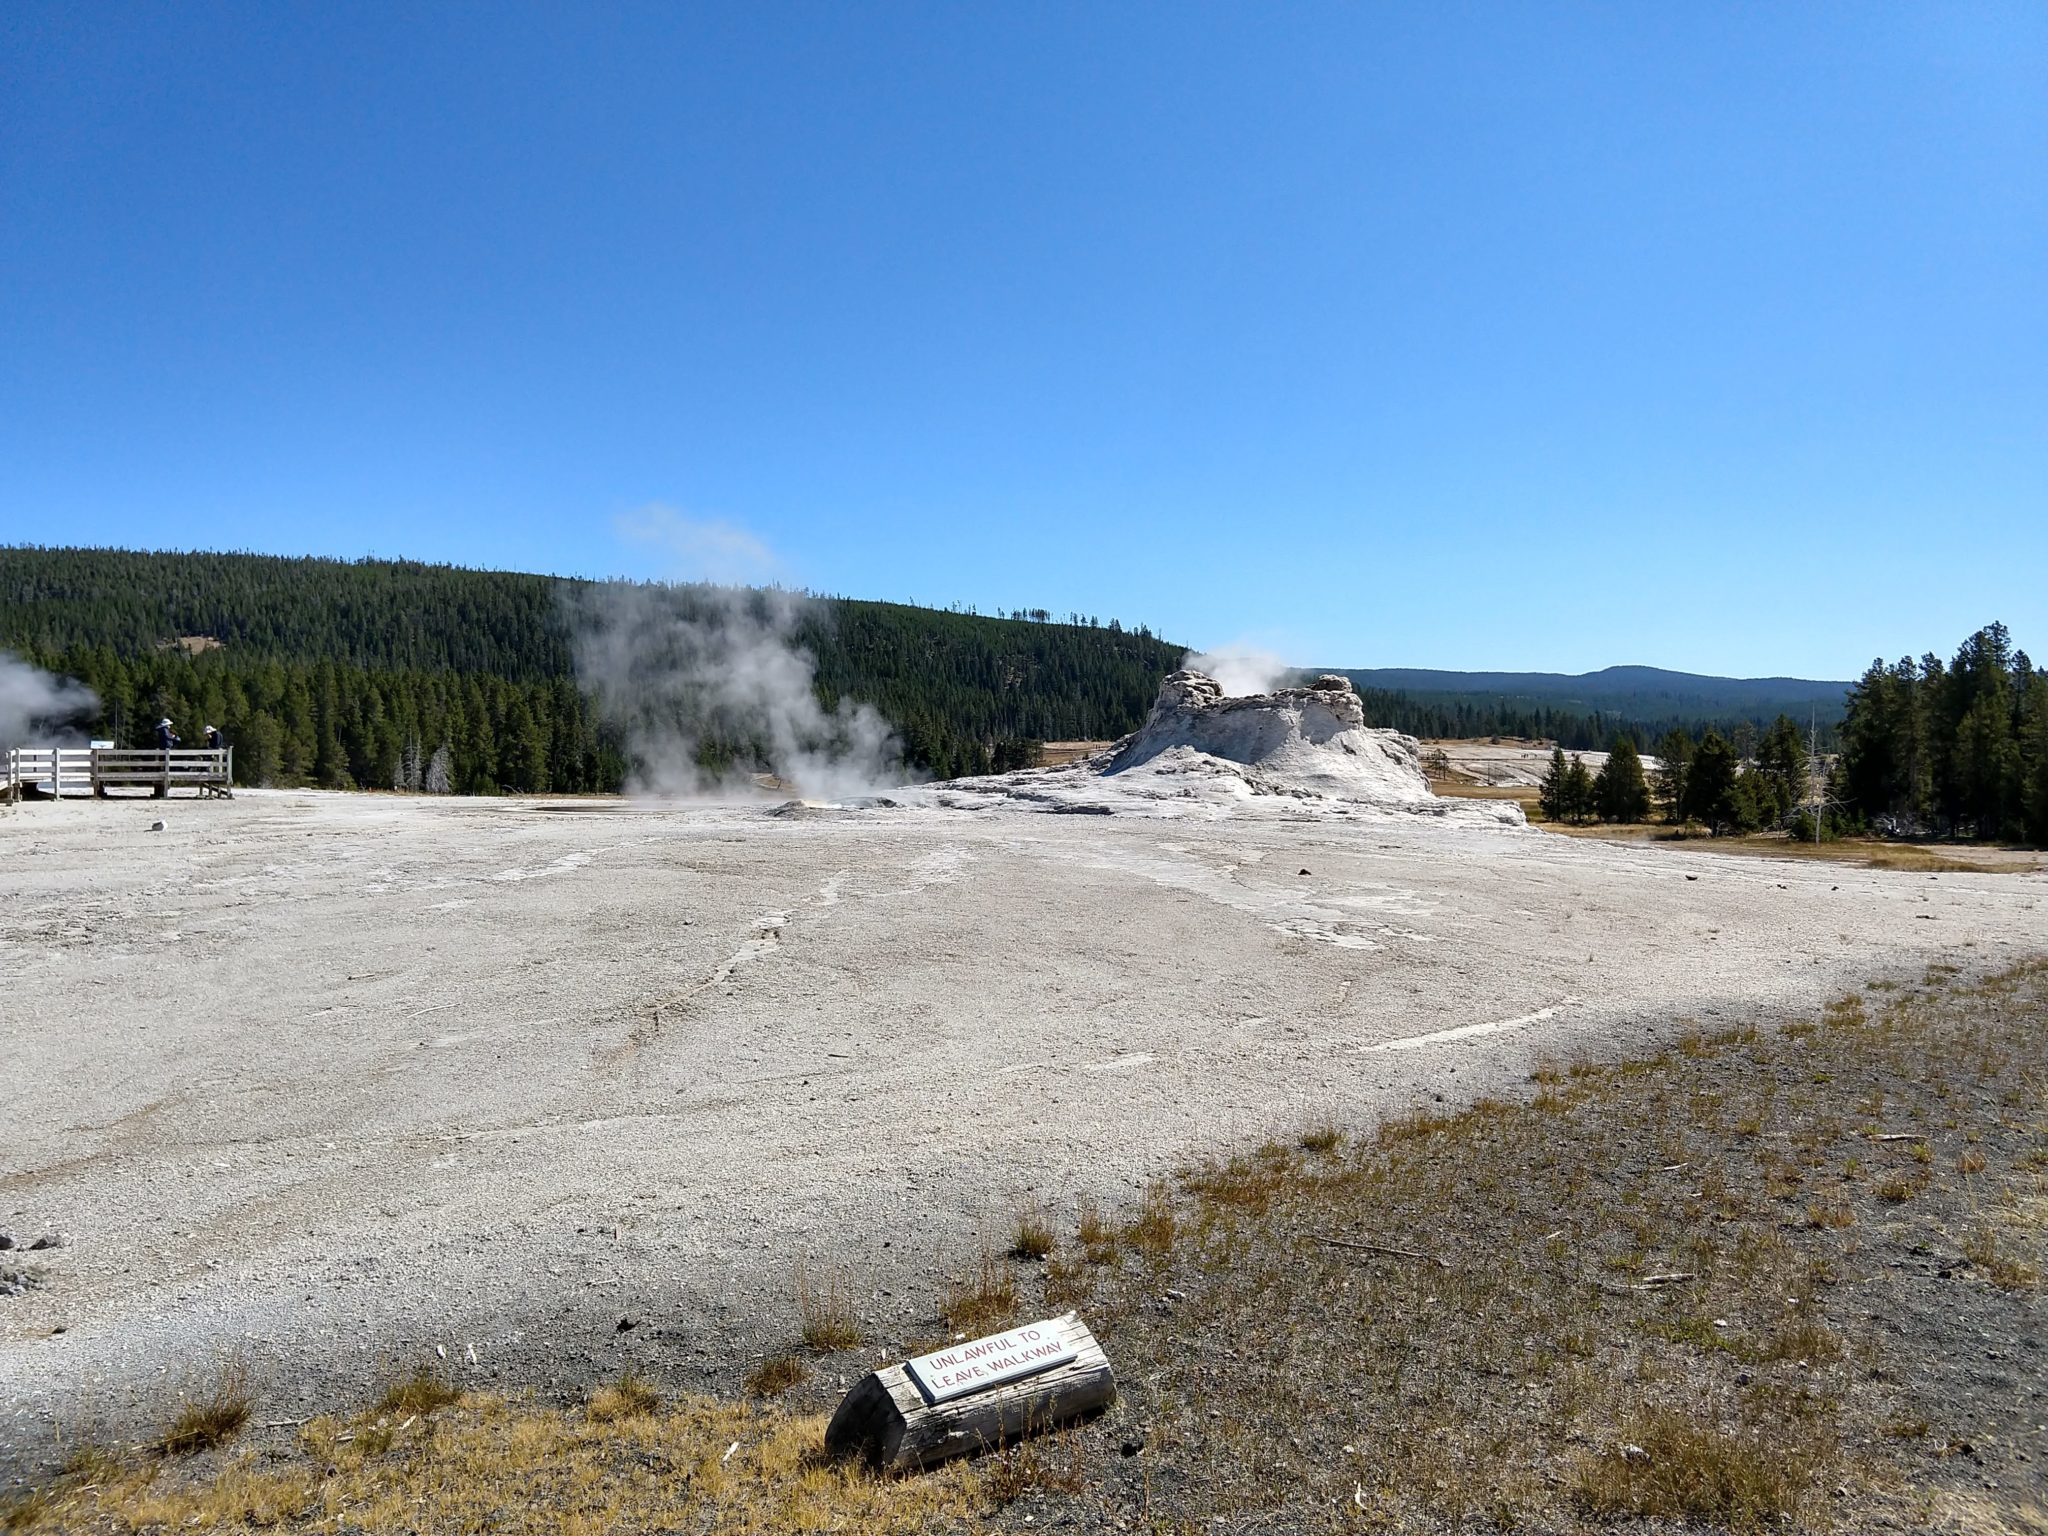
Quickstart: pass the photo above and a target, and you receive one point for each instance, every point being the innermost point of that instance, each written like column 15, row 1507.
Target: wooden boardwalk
column 53, row 772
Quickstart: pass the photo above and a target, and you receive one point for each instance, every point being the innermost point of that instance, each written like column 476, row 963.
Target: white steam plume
column 682, row 668
column 37, row 707
column 1241, row 669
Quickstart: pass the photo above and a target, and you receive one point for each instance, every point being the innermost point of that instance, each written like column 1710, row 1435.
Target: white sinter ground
column 341, row 1079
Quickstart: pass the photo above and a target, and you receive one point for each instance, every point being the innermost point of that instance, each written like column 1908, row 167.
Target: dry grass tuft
column 1098, row 1237
column 1034, row 1239
column 1322, row 1138
column 1670, row 1465
column 2005, row 1270
column 824, row 1307
column 1830, row 1214
column 985, row 1301
column 630, row 1397
column 206, row 1421
column 91, row 1464
column 1068, row 1283
column 1049, row 1465
column 27, row 1510
column 1151, row 1231
column 421, row 1393
column 776, row 1375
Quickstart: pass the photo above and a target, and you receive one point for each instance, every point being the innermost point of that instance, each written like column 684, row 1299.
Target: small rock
column 1692, row 877
column 1634, row 1453
column 47, row 1240
column 628, row 1324
column 6, row 1240
column 1304, row 871
column 1133, row 1445
column 156, row 826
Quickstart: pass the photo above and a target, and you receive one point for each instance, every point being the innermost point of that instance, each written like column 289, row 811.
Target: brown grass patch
column 1034, row 1237
column 720, row 1469
column 215, row 1416
column 986, row 1300
column 1098, row 1237
column 824, row 1308
column 421, row 1393
column 776, row 1375
column 1322, row 1138
column 1669, row 1464
column 630, row 1397
column 1986, row 1249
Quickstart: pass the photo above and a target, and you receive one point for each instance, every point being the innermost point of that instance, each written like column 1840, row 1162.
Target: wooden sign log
column 896, row 1419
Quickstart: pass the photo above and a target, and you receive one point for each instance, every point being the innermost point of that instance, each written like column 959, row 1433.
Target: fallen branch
column 1381, row 1248
column 1647, row 1283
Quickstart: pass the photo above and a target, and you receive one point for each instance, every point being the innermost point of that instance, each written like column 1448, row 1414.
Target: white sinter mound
column 1201, row 752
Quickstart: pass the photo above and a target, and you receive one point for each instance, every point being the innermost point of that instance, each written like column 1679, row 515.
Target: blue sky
column 1545, row 337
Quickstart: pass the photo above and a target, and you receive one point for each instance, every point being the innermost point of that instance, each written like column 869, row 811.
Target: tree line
column 398, row 674
column 1576, row 730
column 1719, row 783
column 1957, row 750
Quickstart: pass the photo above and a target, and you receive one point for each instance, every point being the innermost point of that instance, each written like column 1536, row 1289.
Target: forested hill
column 1586, row 709
column 359, row 672
column 377, row 614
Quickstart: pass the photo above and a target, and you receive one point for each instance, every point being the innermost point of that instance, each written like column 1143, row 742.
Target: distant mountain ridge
column 1634, row 692
column 1588, row 709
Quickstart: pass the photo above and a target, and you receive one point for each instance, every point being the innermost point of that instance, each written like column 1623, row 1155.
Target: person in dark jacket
column 214, row 740
column 166, row 738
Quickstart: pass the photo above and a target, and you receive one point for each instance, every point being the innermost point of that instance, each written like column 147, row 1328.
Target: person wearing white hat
column 166, row 738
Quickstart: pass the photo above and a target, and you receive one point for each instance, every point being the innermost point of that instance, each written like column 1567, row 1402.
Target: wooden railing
column 56, row 771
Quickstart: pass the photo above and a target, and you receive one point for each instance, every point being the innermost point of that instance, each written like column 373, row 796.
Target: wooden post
column 973, row 1396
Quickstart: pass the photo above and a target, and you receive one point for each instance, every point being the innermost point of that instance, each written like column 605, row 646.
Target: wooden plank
column 887, row 1421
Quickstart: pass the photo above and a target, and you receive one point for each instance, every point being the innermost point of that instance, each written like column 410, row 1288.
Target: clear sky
column 1522, row 336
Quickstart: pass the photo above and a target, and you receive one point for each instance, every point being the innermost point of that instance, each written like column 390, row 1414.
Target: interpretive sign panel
column 963, row 1368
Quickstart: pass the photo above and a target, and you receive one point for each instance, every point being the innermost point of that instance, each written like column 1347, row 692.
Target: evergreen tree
column 1675, row 757
column 522, row 754
column 1620, row 791
column 2034, row 760
column 1710, row 785
column 1780, row 772
column 1579, row 804
column 1553, row 796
